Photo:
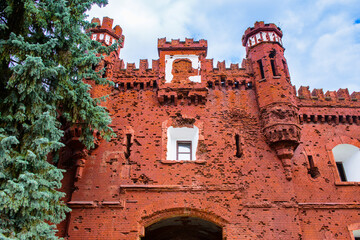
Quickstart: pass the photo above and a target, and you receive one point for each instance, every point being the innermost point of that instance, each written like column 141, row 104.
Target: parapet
column 176, row 44
column 317, row 97
column 106, row 25
column 261, row 32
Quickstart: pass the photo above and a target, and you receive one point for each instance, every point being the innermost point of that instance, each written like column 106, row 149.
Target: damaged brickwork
column 263, row 167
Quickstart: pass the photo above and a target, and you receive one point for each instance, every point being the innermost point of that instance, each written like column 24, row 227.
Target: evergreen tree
column 45, row 54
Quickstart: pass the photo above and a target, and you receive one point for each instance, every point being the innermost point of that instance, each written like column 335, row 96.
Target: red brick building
column 206, row 152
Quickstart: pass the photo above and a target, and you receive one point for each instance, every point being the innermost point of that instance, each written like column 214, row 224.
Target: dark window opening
column 239, row 151
column 313, row 170
column 128, row 145
column 341, row 119
column 261, row 69
column 223, row 78
column 273, row 67
column 249, row 85
column 236, row 85
column 128, row 85
column 142, row 86
column 105, row 69
column 183, row 150
column 341, row 171
column 286, row 70
column 155, row 84
column 210, row 85
column 327, row 118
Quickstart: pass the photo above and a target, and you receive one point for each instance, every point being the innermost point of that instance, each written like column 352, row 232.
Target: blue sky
column 321, row 37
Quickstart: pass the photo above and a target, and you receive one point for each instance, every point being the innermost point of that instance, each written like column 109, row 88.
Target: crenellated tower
column 107, row 35
column 275, row 95
column 180, row 65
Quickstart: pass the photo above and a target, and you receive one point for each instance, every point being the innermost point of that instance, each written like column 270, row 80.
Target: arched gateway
column 183, row 228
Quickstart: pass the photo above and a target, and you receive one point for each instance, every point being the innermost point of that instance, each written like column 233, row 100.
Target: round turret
column 261, row 32
column 275, row 94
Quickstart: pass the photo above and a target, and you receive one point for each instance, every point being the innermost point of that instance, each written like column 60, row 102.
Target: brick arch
column 342, row 140
column 179, row 212
column 333, row 143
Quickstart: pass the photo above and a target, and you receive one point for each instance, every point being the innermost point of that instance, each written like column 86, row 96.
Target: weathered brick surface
column 252, row 175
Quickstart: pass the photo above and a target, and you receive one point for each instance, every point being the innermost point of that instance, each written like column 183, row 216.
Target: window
column 94, row 37
column 183, row 150
column 347, row 158
column 101, row 36
column 356, row 234
column 261, row 69
column 182, row 143
column 107, row 39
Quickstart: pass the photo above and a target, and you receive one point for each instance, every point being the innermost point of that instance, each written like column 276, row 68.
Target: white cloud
column 321, row 40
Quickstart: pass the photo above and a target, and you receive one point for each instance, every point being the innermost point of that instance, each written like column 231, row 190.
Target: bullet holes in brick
column 313, row 170
column 239, row 151
column 272, row 53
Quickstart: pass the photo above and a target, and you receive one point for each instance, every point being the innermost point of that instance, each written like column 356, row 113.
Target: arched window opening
column 182, row 143
column 356, row 234
column 347, row 158
column 183, row 228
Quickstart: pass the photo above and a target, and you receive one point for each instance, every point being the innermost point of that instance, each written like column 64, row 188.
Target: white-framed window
column 183, row 150
column 101, row 36
column 94, row 37
column 347, row 158
column 356, row 234
column 113, row 41
column 182, row 143
column 107, row 39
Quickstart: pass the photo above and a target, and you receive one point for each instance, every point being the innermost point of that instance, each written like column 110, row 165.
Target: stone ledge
column 170, row 162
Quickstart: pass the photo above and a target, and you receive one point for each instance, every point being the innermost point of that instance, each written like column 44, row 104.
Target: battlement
column 261, row 32
column 317, row 97
column 104, row 33
column 107, row 25
column 176, row 44
column 207, row 65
